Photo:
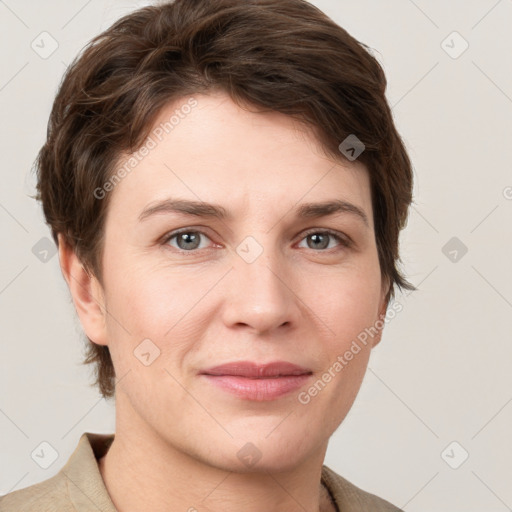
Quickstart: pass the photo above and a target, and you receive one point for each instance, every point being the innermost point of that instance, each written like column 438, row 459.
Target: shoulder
column 351, row 498
column 49, row 496
column 77, row 486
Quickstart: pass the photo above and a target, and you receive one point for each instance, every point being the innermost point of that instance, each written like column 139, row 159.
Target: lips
column 252, row 370
column 257, row 382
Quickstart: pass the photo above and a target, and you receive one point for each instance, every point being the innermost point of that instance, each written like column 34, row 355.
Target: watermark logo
column 249, row 454
column 351, row 147
column 454, row 45
column 454, row 455
column 44, row 45
column 44, row 250
column 454, row 249
column 249, row 249
column 146, row 352
column 44, row 455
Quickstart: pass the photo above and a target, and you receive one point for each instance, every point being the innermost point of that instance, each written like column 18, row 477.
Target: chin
column 261, row 461
column 278, row 452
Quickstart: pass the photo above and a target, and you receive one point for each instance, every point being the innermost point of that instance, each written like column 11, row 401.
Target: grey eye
column 187, row 240
column 322, row 240
column 318, row 240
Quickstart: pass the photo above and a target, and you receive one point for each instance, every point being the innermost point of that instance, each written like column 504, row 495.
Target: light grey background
column 442, row 371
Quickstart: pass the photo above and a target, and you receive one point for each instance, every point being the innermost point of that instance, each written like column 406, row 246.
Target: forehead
column 207, row 148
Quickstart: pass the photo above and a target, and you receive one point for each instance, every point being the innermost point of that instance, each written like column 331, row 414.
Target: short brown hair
column 281, row 55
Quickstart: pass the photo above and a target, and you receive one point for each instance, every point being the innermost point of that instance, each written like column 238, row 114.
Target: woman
column 226, row 187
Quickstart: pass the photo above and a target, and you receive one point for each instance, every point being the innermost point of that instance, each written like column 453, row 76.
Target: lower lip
column 258, row 390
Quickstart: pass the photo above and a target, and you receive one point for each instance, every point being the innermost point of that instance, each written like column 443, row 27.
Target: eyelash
column 343, row 240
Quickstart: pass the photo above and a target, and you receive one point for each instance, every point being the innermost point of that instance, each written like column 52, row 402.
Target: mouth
column 257, row 382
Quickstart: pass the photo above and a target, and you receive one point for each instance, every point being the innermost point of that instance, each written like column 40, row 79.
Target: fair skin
column 304, row 299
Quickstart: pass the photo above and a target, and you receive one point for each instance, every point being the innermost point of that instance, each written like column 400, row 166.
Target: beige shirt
column 79, row 487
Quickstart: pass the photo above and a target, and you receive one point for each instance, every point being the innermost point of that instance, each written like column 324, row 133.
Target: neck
column 141, row 471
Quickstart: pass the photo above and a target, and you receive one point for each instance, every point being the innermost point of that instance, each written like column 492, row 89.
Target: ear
column 385, row 294
column 86, row 292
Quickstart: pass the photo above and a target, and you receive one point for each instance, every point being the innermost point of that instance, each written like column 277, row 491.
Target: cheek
column 349, row 306
column 354, row 308
column 348, row 303
column 149, row 314
column 150, row 298
column 162, row 304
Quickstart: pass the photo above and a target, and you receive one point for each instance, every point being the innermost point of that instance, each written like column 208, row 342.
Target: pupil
column 189, row 240
column 320, row 238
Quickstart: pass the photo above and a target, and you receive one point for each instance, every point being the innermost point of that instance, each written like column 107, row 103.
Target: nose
column 260, row 295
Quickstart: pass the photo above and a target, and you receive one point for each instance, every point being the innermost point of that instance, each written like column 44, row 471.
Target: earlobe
column 380, row 323
column 86, row 292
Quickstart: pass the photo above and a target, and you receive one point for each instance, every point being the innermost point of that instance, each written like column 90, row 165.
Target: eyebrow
column 316, row 210
column 202, row 209
column 197, row 208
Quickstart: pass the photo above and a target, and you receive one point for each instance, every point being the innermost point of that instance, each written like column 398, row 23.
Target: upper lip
column 253, row 370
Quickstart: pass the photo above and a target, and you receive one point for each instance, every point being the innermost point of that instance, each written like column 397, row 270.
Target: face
column 270, row 274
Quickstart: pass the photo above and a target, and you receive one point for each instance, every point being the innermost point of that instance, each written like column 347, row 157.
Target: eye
column 322, row 240
column 190, row 240
column 186, row 240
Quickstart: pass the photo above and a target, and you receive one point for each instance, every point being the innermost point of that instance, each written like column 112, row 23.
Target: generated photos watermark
column 156, row 136
column 343, row 360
